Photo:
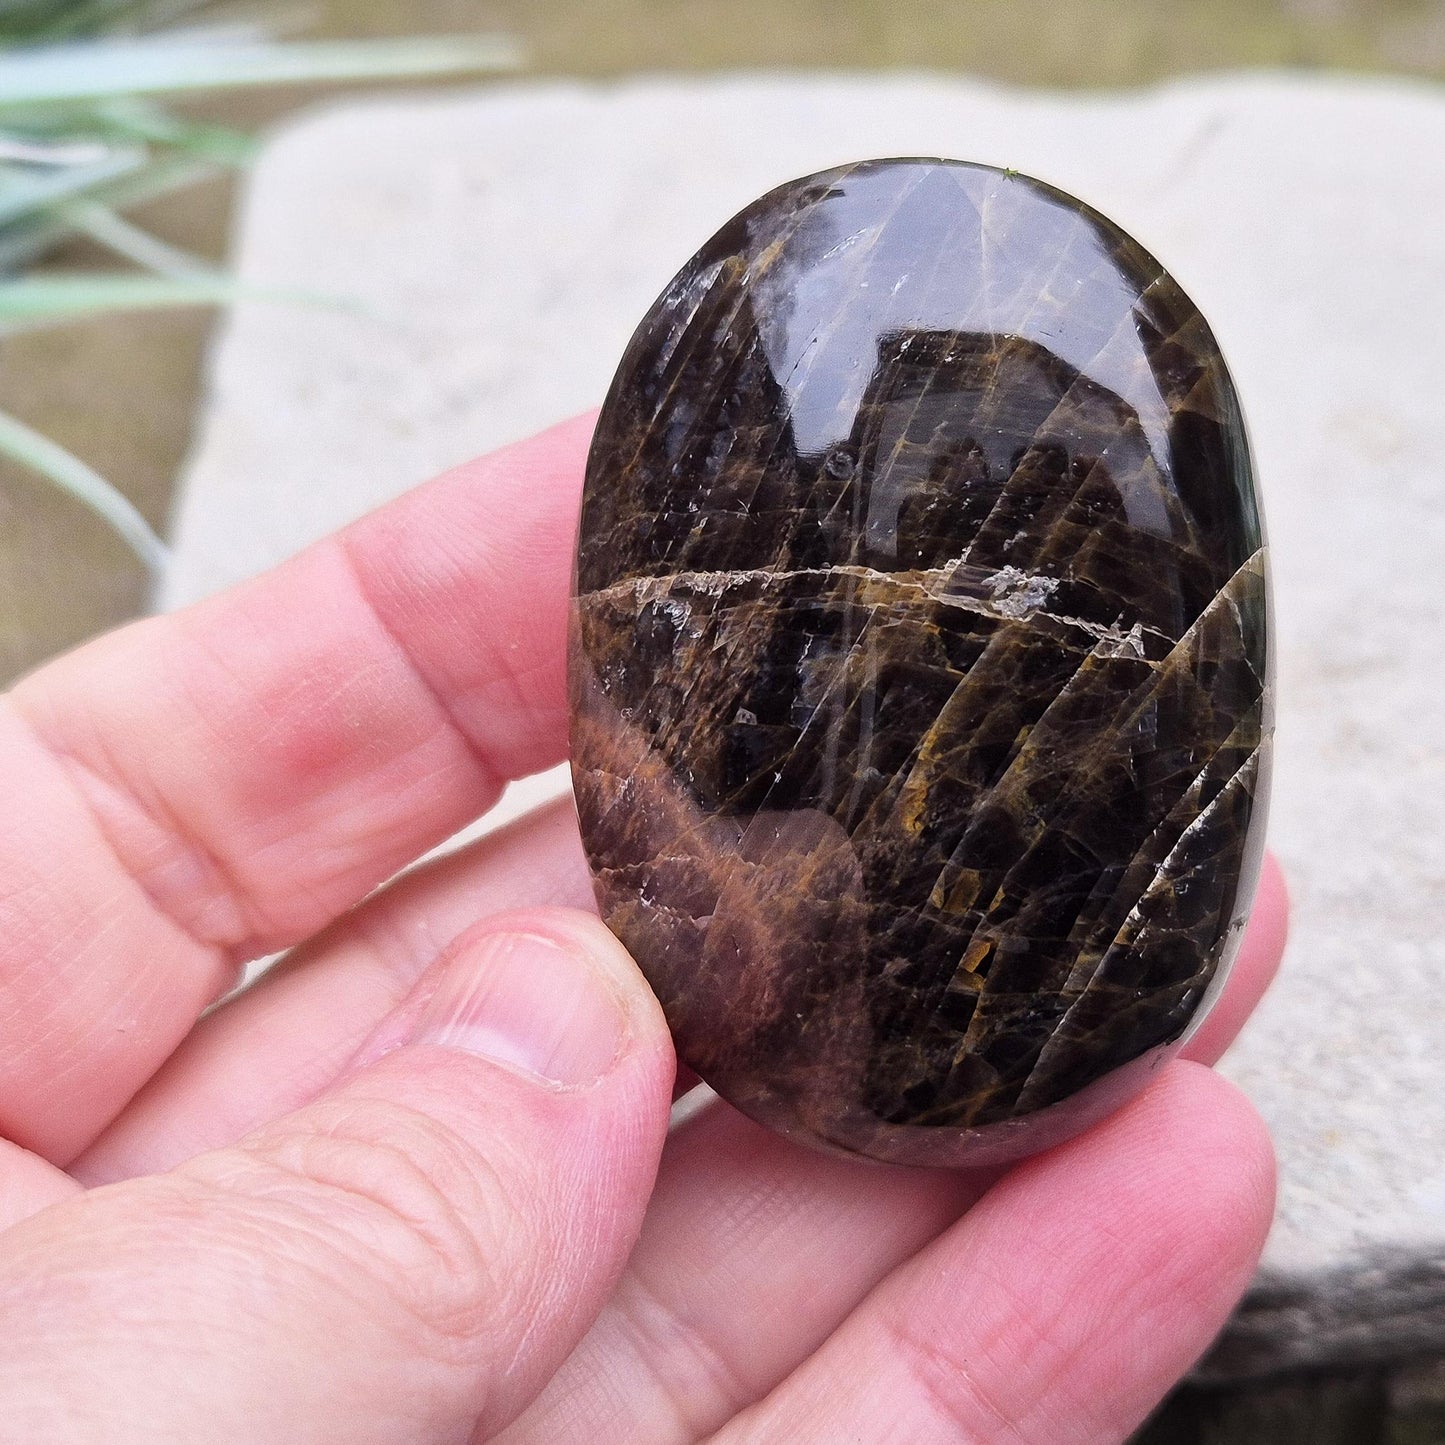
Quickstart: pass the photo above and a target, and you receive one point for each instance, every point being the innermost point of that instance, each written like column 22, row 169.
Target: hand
column 393, row 1193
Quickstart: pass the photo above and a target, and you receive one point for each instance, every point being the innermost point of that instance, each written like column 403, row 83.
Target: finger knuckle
column 949, row 1386
column 390, row 1196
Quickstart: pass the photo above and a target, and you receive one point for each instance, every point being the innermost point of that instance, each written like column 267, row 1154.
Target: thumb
column 406, row 1259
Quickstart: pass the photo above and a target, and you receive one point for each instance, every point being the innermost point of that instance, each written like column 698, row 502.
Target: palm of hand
column 408, row 1187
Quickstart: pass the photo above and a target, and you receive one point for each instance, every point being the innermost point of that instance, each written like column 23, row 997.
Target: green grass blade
column 86, row 131
column 24, row 241
column 25, row 190
column 35, row 299
column 138, row 120
column 48, row 300
column 89, row 17
column 35, row 21
column 32, row 149
column 37, row 453
column 132, row 242
column 96, row 69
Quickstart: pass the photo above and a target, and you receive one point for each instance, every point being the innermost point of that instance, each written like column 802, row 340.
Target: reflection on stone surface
column 919, row 662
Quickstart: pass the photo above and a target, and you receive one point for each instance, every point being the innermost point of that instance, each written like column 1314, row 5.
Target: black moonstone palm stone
column 920, row 662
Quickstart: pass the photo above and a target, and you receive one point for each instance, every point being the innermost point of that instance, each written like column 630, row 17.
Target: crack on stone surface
column 1013, row 595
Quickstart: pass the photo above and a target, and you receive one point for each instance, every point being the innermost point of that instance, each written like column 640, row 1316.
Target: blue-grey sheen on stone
column 920, row 663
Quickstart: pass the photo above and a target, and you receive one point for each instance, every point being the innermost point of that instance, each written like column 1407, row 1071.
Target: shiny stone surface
column 920, row 667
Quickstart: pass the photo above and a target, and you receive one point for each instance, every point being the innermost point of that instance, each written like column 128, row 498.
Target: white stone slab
column 506, row 243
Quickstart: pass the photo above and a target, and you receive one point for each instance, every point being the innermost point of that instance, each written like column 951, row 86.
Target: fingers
column 1062, row 1306
column 286, row 1039
column 222, row 782
column 280, row 1043
column 405, row 1259
column 744, row 1229
column 754, row 1251
column 29, row 1184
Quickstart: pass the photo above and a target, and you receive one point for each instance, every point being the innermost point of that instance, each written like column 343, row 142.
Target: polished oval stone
column 921, row 700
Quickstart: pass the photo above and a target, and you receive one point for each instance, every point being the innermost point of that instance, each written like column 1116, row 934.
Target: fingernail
column 531, row 1003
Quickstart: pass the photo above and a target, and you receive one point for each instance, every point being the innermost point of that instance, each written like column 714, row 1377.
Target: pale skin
column 417, row 1186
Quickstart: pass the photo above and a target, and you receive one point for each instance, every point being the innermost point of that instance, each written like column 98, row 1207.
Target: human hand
column 393, row 1192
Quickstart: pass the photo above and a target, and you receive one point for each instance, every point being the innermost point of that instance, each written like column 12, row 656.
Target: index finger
column 203, row 788
column 1061, row 1308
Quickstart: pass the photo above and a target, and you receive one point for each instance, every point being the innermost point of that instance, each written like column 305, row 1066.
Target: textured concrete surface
column 504, row 246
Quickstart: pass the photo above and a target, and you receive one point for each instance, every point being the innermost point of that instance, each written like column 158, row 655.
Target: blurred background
column 127, row 128
column 1035, row 42
column 118, row 391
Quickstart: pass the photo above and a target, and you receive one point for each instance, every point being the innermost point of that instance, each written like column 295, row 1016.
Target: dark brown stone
column 919, row 664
